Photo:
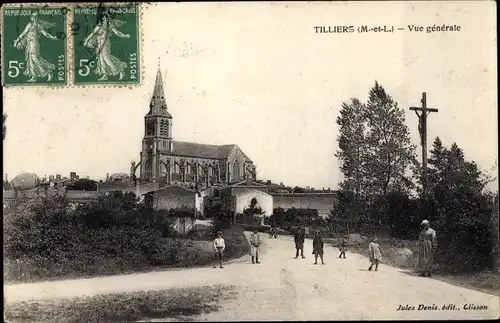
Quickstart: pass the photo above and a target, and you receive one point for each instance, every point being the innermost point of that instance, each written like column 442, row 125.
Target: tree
column 390, row 152
column 375, row 153
column 352, row 146
column 462, row 210
column 82, row 185
column 4, row 126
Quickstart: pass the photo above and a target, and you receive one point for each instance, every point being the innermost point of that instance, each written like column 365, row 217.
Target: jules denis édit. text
column 448, row 307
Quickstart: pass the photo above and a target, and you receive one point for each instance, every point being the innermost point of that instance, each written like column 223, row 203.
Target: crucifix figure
column 422, row 129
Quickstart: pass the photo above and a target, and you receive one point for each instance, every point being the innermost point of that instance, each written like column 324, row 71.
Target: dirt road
column 284, row 288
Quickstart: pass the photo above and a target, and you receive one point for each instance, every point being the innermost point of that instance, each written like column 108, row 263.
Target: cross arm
column 421, row 109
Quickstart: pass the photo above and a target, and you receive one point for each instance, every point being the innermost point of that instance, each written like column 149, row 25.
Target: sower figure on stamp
column 318, row 247
column 299, row 239
column 36, row 65
column 220, row 246
column 254, row 247
column 427, row 247
column 100, row 40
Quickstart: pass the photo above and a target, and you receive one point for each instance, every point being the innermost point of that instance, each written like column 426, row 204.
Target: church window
column 164, row 128
column 150, row 128
column 236, row 169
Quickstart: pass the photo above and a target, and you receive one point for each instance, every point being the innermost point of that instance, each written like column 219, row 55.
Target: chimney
column 58, row 176
column 281, row 184
column 51, row 178
column 268, row 183
column 107, row 176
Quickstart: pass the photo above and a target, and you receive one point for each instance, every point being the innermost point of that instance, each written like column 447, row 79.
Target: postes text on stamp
column 34, row 45
column 106, row 44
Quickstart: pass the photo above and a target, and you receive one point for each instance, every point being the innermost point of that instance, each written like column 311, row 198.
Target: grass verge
column 404, row 254
column 163, row 304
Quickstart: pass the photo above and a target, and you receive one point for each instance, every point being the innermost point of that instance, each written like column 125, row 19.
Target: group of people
column 427, row 248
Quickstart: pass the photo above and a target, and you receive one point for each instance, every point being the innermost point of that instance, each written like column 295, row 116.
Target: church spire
column 158, row 103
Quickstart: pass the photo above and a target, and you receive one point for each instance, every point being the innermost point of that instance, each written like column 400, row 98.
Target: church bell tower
column 157, row 133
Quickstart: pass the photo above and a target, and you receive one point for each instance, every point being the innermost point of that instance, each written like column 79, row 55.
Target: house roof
column 25, row 179
column 167, row 187
column 192, row 149
column 246, row 184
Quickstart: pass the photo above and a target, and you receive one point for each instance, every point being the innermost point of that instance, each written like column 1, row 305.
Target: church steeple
column 158, row 104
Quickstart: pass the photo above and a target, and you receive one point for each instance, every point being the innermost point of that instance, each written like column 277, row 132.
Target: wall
column 323, row 202
column 244, row 197
column 173, row 197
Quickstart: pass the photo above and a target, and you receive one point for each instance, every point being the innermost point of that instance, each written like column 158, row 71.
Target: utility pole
column 422, row 129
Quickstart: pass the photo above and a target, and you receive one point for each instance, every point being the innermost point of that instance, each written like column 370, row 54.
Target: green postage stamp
column 34, row 45
column 106, row 44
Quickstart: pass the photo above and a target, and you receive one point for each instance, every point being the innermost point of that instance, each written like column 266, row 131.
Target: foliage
column 463, row 210
column 352, row 146
column 82, row 184
column 375, row 153
column 53, row 237
column 295, row 217
column 221, row 219
column 390, row 152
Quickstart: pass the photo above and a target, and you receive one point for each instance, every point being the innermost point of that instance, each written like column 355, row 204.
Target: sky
column 259, row 76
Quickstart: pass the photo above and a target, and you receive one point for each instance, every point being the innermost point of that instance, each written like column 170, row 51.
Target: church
column 190, row 164
column 175, row 174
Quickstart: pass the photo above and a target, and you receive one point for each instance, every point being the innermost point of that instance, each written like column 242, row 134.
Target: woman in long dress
column 100, row 40
column 427, row 247
column 36, row 65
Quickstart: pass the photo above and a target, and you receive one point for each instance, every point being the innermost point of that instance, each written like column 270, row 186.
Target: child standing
column 254, row 246
column 318, row 247
column 375, row 254
column 219, row 245
column 343, row 247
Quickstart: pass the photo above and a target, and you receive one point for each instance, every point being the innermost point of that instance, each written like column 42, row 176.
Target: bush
column 50, row 237
column 237, row 244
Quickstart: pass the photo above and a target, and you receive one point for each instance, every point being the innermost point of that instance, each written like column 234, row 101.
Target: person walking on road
column 220, row 246
column 254, row 246
column 318, row 247
column 299, row 239
column 375, row 254
column 427, row 247
column 343, row 247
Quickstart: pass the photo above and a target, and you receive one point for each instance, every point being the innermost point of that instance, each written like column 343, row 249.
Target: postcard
column 242, row 161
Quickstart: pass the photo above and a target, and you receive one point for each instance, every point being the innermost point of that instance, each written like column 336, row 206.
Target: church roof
column 193, row 149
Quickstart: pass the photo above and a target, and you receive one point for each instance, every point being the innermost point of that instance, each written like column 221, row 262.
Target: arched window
column 163, row 169
column 163, row 128
column 236, row 170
